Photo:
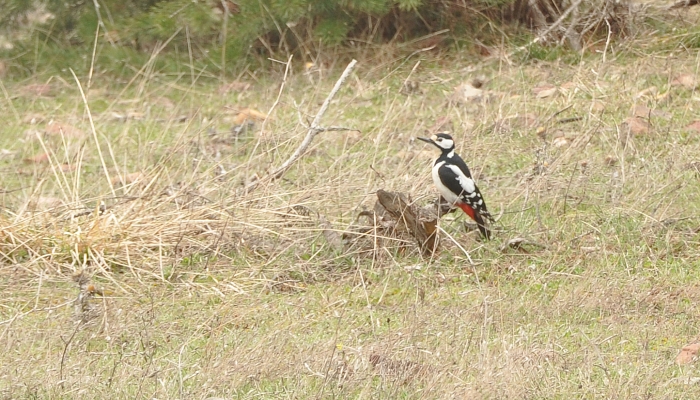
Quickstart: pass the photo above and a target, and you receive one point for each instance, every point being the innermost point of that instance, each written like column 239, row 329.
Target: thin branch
column 337, row 129
column 683, row 3
column 287, row 68
column 314, row 130
column 556, row 24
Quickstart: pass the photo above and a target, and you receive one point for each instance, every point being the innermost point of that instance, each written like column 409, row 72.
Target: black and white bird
column 455, row 183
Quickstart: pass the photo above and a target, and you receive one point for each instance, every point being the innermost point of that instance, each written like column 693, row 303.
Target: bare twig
column 287, row 68
column 336, row 129
column 684, row 3
column 556, row 24
column 314, row 130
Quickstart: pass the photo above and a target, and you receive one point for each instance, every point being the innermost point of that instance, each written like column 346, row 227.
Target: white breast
column 446, row 193
column 467, row 184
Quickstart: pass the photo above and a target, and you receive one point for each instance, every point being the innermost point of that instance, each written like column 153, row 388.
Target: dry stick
column 558, row 22
column 274, row 105
column 683, row 3
column 314, row 130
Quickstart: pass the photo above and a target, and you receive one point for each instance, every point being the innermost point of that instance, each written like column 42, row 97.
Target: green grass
column 211, row 292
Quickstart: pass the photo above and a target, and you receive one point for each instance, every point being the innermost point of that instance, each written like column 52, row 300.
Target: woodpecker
column 455, row 184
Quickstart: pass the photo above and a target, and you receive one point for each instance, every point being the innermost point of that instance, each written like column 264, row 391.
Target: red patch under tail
column 477, row 218
column 468, row 210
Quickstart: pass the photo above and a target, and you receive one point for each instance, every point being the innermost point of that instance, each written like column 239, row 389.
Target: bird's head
column 442, row 141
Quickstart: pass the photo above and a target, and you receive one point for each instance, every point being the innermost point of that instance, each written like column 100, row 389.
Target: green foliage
column 204, row 30
column 332, row 31
column 409, row 5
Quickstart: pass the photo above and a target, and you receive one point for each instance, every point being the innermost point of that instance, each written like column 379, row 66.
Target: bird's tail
column 478, row 218
column 481, row 224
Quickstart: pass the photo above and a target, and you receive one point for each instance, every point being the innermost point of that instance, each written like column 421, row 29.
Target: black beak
column 427, row 140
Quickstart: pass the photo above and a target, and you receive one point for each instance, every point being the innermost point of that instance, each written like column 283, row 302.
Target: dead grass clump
column 138, row 234
column 577, row 22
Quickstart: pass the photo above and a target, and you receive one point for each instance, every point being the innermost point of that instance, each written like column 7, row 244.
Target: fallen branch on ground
column 419, row 222
column 314, row 130
column 684, row 3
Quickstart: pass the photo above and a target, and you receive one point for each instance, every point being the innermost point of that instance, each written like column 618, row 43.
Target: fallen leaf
column 38, row 158
column 544, row 93
column 597, row 106
column 650, row 91
column 227, row 6
column 126, row 179
column 568, row 85
column 643, row 111
column 560, row 141
column 54, row 128
column 132, row 115
column 663, row 97
column 466, row 93
column 249, row 114
column 33, row 118
column 589, row 249
column 529, row 120
column 43, row 203
column 37, row 89
column 660, row 114
column 688, row 81
column 640, row 110
column 544, row 90
column 688, row 354
column 541, row 131
column 636, row 125
column 332, row 236
column 6, row 153
column 164, row 102
column 694, row 126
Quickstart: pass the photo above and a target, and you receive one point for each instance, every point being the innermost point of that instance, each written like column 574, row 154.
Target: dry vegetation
column 134, row 265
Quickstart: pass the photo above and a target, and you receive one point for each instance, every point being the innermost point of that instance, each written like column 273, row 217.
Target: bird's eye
column 439, row 140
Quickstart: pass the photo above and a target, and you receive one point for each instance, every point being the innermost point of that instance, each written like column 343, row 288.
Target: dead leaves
column 636, row 125
column 688, row 353
column 37, row 90
column 249, row 114
column 544, row 90
column 38, row 158
column 687, row 81
column 45, row 158
column 235, row 86
column 128, row 179
column 55, row 128
column 466, row 93
column 694, row 126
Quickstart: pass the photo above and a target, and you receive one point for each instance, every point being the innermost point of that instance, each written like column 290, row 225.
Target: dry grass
column 145, row 272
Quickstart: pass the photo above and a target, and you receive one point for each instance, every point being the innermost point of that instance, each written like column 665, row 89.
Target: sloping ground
column 134, row 265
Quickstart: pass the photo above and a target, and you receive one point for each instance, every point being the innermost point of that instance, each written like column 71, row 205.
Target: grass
column 194, row 289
